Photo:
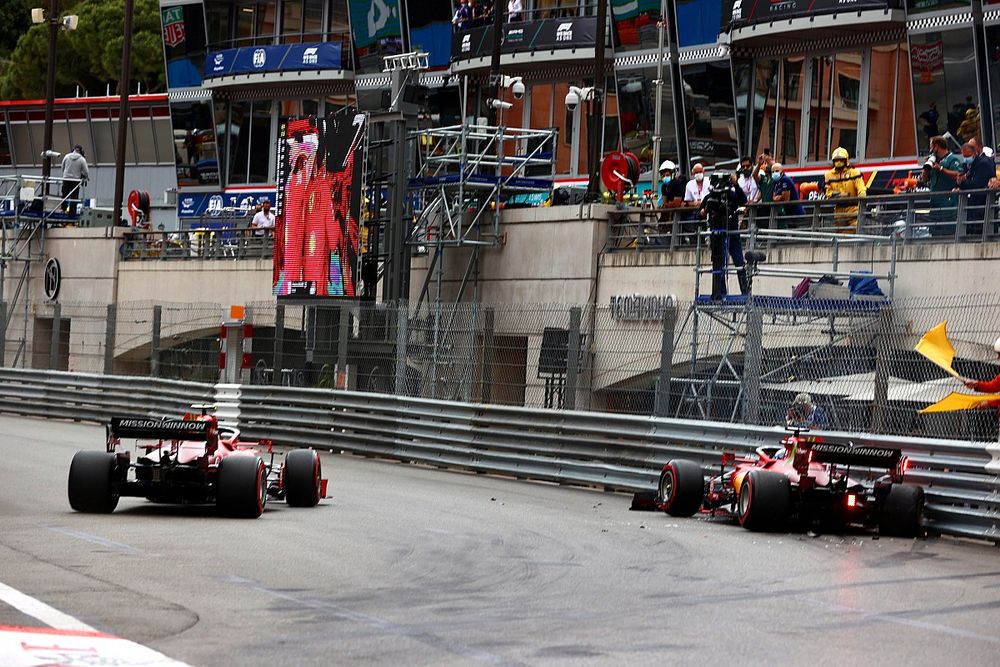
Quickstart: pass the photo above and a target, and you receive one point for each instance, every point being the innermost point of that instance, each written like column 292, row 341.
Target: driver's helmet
column 996, row 346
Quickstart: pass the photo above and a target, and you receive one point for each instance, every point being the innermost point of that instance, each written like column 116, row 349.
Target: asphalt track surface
column 406, row 565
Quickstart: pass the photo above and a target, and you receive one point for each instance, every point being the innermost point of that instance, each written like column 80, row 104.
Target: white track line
column 41, row 611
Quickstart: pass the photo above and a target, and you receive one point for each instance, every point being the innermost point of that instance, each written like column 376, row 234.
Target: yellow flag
column 935, row 346
column 955, row 401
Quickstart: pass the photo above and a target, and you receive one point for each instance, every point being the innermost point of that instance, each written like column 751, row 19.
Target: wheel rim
column 261, row 488
column 318, row 475
column 667, row 486
column 744, row 500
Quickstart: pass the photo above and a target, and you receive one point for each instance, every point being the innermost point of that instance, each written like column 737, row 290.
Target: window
column 698, row 22
column 184, row 44
column 710, row 112
column 635, row 24
column 291, row 21
column 945, row 89
column 637, row 115
column 993, row 52
column 194, row 147
column 920, row 6
column 5, row 158
column 312, row 24
column 835, row 93
column 890, row 103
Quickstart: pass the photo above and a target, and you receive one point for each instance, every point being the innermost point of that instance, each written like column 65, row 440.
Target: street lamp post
column 50, row 90
column 123, row 111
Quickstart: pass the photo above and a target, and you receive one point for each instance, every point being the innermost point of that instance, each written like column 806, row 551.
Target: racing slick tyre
column 902, row 512
column 765, row 501
column 303, row 476
column 242, row 487
column 682, row 488
column 91, row 482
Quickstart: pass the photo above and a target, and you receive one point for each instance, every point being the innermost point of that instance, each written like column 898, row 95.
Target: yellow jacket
column 846, row 183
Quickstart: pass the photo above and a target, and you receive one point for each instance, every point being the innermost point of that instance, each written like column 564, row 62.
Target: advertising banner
column 280, row 58
column 548, row 35
column 210, row 205
column 374, row 20
column 754, row 11
column 316, row 243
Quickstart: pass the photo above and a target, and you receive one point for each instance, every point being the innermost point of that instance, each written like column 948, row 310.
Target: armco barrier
column 614, row 451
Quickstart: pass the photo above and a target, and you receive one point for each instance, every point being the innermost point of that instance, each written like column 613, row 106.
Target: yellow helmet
column 840, row 153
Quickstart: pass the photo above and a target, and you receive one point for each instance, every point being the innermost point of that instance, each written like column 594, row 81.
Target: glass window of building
column 312, row 21
column 993, row 52
column 194, row 146
column 920, row 6
column 890, row 103
column 5, row 156
column 764, row 130
column 291, row 21
column 375, row 34
column 834, row 100
column 559, row 9
column 710, row 112
column 184, row 44
column 945, row 89
column 635, row 23
column 637, row 112
column 698, row 22
column 24, row 153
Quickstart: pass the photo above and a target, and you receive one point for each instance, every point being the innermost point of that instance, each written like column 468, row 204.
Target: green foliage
column 90, row 56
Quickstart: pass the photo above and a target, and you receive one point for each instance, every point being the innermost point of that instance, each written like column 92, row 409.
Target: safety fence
column 616, row 452
column 968, row 216
column 636, row 355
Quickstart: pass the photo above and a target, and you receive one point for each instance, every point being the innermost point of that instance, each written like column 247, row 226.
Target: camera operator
column 721, row 208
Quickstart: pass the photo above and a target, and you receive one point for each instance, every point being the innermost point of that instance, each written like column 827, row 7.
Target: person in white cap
column 671, row 186
column 988, row 386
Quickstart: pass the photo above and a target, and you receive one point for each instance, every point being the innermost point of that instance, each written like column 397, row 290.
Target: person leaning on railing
column 844, row 180
column 979, row 170
column 940, row 174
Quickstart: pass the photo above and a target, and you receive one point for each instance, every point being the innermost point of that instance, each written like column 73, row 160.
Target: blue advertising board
column 215, row 204
column 280, row 58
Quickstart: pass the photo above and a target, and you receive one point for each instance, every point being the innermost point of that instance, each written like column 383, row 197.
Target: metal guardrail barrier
column 197, row 244
column 613, row 451
column 970, row 215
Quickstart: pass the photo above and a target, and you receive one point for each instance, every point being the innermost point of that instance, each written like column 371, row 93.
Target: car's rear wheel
column 241, row 487
column 902, row 512
column 681, row 488
column 765, row 501
column 91, row 482
column 303, row 475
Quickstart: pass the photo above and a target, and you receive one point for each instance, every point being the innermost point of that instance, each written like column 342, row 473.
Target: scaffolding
column 726, row 372
column 27, row 207
column 467, row 175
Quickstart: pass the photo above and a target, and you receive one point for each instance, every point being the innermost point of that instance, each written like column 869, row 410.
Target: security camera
column 38, row 15
column 499, row 104
column 572, row 100
column 517, row 90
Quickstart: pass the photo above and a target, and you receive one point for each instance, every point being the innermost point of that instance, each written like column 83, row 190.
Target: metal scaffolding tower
column 26, row 209
column 728, row 363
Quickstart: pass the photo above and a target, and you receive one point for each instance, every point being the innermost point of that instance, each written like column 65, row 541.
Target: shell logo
column 738, row 480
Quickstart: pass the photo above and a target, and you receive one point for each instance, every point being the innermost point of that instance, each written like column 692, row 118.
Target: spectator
column 462, row 17
column 696, row 188
column 979, row 170
column 747, row 181
column 929, row 120
column 988, row 386
column 940, row 174
column 672, row 187
column 765, row 183
column 263, row 221
column 74, row 172
column 514, row 9
column 844, row 180
column 474, row 14
column 804, row 414
column 783, row 189
column 970, row 124
column 486, row 12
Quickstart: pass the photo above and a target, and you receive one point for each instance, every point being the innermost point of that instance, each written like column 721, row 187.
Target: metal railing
column 971, row 215
column 613, row 451
column 197, row 244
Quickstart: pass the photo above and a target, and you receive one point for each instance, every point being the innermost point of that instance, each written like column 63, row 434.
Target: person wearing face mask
column 746, row 181
column 671, row 186
column 979, row 169
column 940, row 174
column 784, row 189
column 697, row 187
column 844, row 180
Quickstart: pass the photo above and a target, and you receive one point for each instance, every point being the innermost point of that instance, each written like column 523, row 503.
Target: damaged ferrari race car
column 191, row 460
column 803, row 482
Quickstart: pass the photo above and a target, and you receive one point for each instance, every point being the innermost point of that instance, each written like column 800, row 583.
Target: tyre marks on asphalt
column 94, row 539
column 380, row 625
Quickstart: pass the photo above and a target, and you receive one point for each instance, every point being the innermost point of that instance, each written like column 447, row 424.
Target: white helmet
column 996, row 346
column 667, row 165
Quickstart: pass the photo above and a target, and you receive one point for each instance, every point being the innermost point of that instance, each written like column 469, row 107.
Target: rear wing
column 856, row 455
column 160, row 429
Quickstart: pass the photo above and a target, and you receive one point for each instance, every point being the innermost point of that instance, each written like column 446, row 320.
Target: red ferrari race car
column 191, row 460
column 804, row 482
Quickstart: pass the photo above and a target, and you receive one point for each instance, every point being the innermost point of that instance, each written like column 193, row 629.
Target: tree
column 90, row 56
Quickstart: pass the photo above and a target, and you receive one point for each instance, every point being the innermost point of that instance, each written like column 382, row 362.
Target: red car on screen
column 191, row 460
column 804, row 481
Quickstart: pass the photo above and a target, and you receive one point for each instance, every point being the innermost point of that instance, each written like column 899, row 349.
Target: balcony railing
column 530, row 34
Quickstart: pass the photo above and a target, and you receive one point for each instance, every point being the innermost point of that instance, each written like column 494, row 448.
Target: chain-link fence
column 638, row 355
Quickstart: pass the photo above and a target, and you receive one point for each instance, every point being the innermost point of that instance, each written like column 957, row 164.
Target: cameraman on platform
column 721, row 208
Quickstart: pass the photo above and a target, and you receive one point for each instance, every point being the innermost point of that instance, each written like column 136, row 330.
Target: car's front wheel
column 765, row 501
column 303, row 478
column 681, row 488
column 91, row 482
column 241, row 487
